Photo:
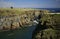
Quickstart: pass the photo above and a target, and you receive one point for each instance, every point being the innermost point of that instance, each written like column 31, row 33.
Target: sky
column 30, row 3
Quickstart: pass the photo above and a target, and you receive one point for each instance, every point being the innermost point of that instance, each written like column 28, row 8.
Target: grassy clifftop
column 16, row 11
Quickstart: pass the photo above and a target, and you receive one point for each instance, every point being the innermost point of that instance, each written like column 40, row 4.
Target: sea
column 53, row 10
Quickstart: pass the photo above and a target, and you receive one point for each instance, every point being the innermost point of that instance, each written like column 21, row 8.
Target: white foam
column 35, row 22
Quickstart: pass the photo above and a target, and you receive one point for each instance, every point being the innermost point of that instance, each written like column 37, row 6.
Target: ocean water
column 23, row 33
column 54, row 10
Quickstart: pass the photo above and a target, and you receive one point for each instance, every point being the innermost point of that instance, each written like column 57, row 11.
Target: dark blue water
column 54, row 10
column 23, row 33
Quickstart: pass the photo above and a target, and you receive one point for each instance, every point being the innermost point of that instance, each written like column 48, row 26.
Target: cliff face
column 13, row 20
column 48, row 28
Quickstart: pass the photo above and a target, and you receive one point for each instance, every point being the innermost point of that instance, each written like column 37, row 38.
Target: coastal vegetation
column 12, row 20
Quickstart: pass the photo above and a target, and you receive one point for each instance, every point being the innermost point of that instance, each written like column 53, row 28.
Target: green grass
column 5, row 12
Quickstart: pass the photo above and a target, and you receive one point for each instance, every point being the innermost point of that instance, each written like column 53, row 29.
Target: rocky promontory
column 12, row 19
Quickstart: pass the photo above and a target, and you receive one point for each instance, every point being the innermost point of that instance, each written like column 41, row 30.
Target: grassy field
column 16, row 11
column 6, row 11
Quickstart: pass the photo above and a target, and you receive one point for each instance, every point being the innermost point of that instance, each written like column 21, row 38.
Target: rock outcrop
column 13, row 21
column 45, row 29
